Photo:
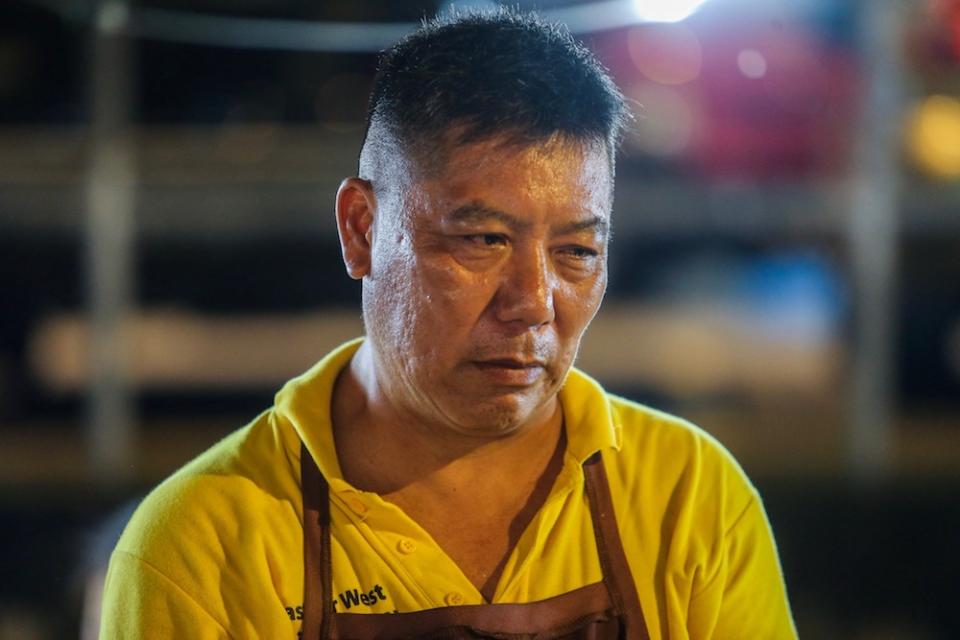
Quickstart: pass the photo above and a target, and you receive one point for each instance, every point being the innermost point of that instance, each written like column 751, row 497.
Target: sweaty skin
column 478, row 283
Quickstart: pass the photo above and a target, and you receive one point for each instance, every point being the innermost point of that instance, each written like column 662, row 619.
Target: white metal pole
column 873, row 227
column 110, row 201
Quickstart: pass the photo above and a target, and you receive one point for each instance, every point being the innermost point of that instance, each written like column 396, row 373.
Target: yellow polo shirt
column 216, row 550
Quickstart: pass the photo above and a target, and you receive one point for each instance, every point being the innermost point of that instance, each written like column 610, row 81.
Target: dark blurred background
column 785, row 270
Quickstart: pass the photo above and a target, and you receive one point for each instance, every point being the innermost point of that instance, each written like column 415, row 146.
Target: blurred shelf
column 244, row 181
column 773, row 444
column 796, row 443
column 51, row 456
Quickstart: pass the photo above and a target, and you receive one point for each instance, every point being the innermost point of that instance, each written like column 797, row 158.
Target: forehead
column 558, row 172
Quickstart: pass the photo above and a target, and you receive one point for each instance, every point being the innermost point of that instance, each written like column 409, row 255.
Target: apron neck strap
column 613, row 560
column 317, row 605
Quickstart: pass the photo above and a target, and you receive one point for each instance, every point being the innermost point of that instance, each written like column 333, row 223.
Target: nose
column 525, row 296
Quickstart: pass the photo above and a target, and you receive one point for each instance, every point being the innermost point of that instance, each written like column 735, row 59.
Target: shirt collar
column 589, row 423
column 305, row 402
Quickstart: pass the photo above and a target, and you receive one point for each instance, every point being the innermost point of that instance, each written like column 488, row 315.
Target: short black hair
column 492, row 74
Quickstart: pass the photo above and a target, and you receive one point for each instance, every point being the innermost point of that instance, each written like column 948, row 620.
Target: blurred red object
column 951, row 12
column 933, row 39
column 791, row 121
column 767, row 100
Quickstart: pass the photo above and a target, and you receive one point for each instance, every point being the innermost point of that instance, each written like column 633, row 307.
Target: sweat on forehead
column 383, row 156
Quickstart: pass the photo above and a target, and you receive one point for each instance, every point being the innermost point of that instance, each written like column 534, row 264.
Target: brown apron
column 601, row 611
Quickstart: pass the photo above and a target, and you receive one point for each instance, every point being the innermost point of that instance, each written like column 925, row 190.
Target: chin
column 491, row 429
column 500, row 417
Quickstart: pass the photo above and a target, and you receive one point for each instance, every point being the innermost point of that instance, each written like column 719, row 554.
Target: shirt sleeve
column 141, row 602
column 747, row 597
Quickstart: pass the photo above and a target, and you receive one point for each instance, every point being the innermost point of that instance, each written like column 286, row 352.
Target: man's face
column 482, row 280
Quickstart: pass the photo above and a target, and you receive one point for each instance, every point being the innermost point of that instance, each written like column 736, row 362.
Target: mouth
column 512, row 371
column 511, row 363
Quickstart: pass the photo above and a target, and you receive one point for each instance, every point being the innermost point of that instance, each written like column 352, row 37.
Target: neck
column 384, row 449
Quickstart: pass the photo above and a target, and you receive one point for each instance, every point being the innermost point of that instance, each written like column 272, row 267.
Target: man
column 451, row 475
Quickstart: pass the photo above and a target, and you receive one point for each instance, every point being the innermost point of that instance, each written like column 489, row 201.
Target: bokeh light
column 752, row 64
column 665, row 120
column 933, row 136
column 666, row 53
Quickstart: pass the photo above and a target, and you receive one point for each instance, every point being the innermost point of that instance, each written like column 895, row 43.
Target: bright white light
column 666, row 10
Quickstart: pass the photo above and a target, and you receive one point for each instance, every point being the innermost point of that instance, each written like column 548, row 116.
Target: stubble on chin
column 502, row 412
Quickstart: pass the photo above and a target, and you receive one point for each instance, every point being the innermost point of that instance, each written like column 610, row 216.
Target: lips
column 510, row 363
column 511, row 371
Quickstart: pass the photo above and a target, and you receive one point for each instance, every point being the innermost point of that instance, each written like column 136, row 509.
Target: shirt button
column 406, row 546
column 357, row 506
column 453, row 599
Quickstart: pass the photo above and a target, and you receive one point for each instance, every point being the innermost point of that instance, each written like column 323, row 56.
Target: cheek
column 453, row 292
column 427, row 307
column 390, row 288
column 596, row 292
column 580, row 303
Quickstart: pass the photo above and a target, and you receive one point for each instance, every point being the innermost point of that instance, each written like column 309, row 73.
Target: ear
column 356, row 207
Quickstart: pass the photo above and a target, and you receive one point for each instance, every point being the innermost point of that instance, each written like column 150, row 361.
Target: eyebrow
column 475, row 212
column 595, row 224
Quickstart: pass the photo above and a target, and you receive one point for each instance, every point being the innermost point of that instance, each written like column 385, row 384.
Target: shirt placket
column 407, row 551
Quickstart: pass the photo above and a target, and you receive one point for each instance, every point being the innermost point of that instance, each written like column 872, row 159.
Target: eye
column 579, row 252
column 485, row 239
